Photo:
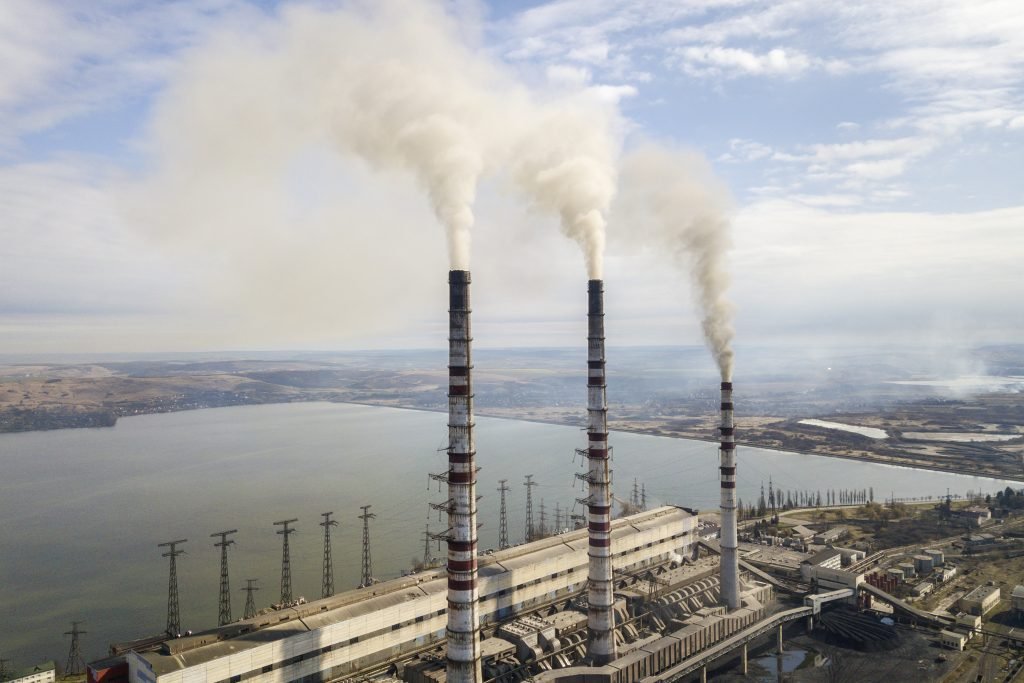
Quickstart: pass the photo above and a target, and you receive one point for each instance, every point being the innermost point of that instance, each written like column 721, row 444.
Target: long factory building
column 353, row 631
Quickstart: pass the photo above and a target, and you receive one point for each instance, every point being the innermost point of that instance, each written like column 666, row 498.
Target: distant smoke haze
column 670, row 202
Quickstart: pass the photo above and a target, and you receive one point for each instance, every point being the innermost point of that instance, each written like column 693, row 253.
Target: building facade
column 348, row 632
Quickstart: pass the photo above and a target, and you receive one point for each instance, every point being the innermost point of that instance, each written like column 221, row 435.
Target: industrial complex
column 647, row 597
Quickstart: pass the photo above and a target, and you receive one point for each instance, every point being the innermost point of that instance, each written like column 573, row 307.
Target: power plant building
column 980, row 600
column 348, row 632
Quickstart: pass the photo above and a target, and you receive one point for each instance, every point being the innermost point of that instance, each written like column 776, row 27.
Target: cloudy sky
column 150, row 200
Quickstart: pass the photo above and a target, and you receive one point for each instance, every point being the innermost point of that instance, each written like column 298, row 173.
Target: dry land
column 923, row 427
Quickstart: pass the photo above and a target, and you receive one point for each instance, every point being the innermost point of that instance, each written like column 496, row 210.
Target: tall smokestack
column 727, row 453
column 463, row 631
column 600, row 596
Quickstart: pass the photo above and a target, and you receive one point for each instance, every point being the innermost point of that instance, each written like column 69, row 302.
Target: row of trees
column 778, row 500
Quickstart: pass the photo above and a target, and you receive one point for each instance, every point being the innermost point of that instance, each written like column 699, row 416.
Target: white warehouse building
column 351, row 631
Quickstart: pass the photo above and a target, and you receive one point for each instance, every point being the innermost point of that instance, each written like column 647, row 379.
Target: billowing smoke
column 670, row 201
column 243, row 133
column 566, row 164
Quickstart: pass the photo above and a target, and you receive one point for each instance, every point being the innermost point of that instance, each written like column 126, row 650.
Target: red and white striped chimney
column 463, row 630
column 727, row 454
column 600, row 594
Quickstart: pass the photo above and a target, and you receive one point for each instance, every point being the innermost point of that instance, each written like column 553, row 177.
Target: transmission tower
column 286, row 560
column 503, row 517
column 173, row 614
column 529, row 484
column 635, row 497
column 558, row 518
column 250, row 602
column 367, row 574
column 327, row 585
column 427, row 538
column 224, row 603
column 75, row 665
column 643, row 496
column 543, row 530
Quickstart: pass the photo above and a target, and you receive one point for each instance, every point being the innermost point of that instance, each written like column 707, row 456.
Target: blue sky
column 873, row 151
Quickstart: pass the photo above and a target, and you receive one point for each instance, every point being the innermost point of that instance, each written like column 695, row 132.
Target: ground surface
column 652, row 391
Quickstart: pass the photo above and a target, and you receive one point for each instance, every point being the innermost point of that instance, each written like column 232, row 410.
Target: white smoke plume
column 394, row 84
column 566, row 163
column 669, row 200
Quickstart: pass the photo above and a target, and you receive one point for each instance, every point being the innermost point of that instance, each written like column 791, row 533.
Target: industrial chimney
column 600, row 596
column 463, row 631
column 727, row 453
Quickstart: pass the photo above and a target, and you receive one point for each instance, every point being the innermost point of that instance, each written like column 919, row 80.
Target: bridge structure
column 936, row 620
column 702, row 659
column 781, row 584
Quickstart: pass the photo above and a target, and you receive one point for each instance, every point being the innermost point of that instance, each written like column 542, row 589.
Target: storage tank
column 895, row 573
column 923, row 564
column 938, row 558
column 908, row 569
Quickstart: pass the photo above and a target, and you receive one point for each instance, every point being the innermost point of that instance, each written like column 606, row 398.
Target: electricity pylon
column 286, row 560
column 327, row 585
column 367, row 572
column 173, row 613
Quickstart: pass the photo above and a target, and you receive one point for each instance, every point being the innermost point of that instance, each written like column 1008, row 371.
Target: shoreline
column 872, row 460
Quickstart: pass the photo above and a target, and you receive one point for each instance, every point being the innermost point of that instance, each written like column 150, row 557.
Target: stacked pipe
column 463, row 631
column 727, row 454
column 600, row 594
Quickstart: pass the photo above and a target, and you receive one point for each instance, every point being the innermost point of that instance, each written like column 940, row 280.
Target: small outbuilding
column 953, row 640
column 980, row 600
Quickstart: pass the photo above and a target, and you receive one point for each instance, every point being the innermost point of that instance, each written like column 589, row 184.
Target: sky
column 175, row 176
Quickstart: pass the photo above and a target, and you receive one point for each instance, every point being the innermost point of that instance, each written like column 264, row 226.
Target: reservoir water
column 83, row 510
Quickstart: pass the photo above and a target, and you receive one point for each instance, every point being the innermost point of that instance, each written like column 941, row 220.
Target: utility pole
column 529, row 484
column 173, row 614
column 75, row 665
column 327, row 585
column 224, row 604
column 367, row 573
column 286, row 560
column 250, row 602
column 503, row 517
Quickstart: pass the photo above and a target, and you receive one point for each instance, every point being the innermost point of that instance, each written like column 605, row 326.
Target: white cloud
column 595, row 52
column 713, row 61
column 60, row 62
column 568, row 76
column 882, row 169
column 875, row 273
column 746, row 150
column 613, row 94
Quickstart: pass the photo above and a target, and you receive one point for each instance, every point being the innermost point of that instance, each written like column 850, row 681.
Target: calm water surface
column 83, row 510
